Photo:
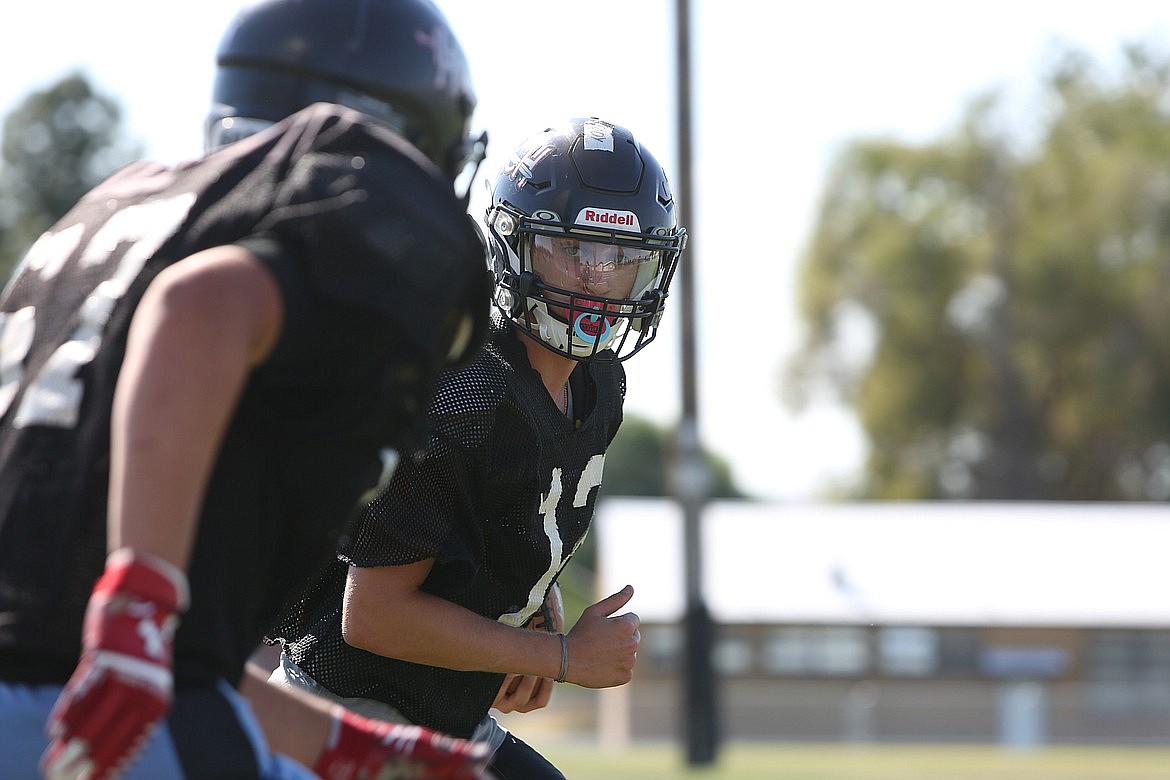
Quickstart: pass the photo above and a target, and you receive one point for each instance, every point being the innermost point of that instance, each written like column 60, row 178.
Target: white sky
column 778, row 87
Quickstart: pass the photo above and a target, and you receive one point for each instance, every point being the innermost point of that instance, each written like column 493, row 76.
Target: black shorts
column 516, row 760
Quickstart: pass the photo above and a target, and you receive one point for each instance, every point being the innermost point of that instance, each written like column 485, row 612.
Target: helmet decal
column 447, row 57
column 624, row 220
column 598, row 136
column 520, row 168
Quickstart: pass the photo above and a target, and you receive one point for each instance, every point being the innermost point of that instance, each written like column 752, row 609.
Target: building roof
column 902, row 563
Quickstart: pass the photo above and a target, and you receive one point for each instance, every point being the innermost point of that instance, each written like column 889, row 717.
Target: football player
column 203, row 368
column 425, row 617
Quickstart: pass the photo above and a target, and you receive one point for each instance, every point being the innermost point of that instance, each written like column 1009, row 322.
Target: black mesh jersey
column 501, row 499
column 371, row 249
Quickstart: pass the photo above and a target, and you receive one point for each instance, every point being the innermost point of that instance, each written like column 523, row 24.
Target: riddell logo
column 608, row 218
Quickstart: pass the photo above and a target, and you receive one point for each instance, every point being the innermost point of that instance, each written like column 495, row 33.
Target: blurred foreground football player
column 424, row 617
column 203, row 369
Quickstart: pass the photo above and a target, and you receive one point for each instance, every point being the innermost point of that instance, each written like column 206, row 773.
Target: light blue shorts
column 24, row 709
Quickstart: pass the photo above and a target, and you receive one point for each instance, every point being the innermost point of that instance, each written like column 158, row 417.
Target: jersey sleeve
column 380, row 230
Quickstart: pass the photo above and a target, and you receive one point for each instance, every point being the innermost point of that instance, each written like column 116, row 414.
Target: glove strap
column 349, row 738
column 137, row 573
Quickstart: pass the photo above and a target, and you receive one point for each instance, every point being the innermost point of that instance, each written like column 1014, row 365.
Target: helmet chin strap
column 559, row 334
column 549, row 328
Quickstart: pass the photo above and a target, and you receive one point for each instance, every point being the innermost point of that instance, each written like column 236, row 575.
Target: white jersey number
column 590, row 478
column 53, row 396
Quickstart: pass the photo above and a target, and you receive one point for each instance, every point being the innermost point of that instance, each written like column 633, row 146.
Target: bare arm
column 386, row 613
column 201, row 326
column 198, row 331
column 295, row 723
column 526, row 693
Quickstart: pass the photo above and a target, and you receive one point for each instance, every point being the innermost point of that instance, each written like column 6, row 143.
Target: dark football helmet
column 396, row 60
column 583, row 240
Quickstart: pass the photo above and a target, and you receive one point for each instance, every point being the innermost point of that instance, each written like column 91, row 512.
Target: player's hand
column 361, row 748
column 603, row 647
column 523, row 693
column 122, row 685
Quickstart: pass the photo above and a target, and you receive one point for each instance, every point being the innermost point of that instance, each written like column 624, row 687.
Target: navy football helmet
column 396, row 60
column 583, row 240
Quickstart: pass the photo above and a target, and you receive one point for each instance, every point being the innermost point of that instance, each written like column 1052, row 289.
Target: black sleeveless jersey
column 371, row 251
column 501, row 499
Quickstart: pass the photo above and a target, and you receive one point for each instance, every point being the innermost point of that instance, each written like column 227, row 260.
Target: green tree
column 998, row 312
column 56, row 145
column 637, row 463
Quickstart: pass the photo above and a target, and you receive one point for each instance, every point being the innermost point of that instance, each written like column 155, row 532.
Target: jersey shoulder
column 378, row 226
column 467, row 400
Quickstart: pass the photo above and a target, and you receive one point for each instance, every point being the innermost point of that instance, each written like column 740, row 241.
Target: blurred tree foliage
column 998, row 313
column 56, row 145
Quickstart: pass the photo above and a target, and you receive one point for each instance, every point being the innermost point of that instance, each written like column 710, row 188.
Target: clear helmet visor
column 590, row 286
column 598, row 270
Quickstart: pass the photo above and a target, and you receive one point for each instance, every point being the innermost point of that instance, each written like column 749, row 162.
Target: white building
column 1013, row 622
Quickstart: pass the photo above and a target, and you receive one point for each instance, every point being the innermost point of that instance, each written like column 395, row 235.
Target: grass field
column 878, row 762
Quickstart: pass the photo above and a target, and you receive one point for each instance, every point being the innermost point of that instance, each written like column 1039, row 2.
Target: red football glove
column 122, row 686
column 362, row 748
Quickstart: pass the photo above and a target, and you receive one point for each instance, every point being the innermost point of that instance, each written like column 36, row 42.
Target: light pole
column 690, row 478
